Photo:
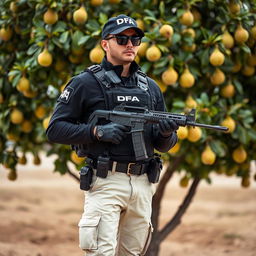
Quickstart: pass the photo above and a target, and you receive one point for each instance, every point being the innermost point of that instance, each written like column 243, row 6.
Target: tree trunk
column 159, row 235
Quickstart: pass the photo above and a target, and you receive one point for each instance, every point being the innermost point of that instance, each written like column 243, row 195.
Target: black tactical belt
column 128, row 168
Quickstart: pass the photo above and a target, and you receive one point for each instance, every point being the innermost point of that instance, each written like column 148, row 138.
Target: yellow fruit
column 166, row 31
column 245, row 182
column 241, row 34
column 253, row 32
column 228, row 91
column 182, row 133
column 237, row 67
column 189, row 48
column 217, row 58
column 75, row 58
column 187, row 18
column 248, row 70
column 239, row 155
column 186, row 80
column 114, row 1
column 140, row 24
column 26, row 126
column 153, row 53
column 5, row 33
column 251, row 60
column 22, row 160
column 78, row 50
column 230, row 123
column 40, row 112
column 36, row 160
column 234, row 7
column 80, row 16
column 16, row 116
column 189, row 31
column 13, row 7
column 142, row 49
column 23, row 84
column 208, row 157
column 197, row 15
column 227, row 40
column 12, row 136
column 96, row 55
column 59, row 65
column 46, row 122
column 50, row 17
column 218, row 77
column 75, row 158
column 175, row 149
column 96, row 2
column 12, row 175
column 30, row 94
column 194, row 134
column 44, row 58
column 169, row 76
column 184, row 182
column 190, row 102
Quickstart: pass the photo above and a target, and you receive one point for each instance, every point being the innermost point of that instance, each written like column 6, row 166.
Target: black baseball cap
column 116, row 25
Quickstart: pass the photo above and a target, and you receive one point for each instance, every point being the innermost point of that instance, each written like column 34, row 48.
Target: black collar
column 134, row 67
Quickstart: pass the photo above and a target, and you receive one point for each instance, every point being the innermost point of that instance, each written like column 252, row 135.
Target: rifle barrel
column 207, row 126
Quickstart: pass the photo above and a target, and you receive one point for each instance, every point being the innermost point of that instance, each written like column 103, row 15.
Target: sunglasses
column 123, row 39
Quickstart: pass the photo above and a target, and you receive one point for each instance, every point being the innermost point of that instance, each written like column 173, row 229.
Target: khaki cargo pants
column 117, row 216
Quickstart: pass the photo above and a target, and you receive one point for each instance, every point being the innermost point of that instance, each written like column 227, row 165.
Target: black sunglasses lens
column 123, row 40
column 135, row 40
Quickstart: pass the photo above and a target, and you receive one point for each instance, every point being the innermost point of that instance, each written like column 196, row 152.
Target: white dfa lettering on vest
column 124, row 20
column 127, row 98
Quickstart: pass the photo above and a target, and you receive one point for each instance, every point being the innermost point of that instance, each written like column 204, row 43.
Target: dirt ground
column 39, row 214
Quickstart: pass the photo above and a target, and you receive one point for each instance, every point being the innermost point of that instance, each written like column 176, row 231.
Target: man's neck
column 126, row 70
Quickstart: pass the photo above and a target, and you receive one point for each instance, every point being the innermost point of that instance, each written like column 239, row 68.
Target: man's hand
column 167, row 127
column 111, row 132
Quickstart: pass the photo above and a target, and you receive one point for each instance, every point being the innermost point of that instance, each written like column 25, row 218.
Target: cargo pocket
column 88, row 232
column 148, row 239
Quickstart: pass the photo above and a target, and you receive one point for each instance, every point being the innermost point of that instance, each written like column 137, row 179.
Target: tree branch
column 161, row 188
column 175, row 221
column 74, row 176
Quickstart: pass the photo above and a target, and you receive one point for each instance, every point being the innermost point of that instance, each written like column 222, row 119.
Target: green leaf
column 32, row 49
column 179, row 104
column 60, row 27
column 218, row 147
column 64, row 36
column 83, row 40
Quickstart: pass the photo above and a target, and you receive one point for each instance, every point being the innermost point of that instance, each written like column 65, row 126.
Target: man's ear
column 104, row 45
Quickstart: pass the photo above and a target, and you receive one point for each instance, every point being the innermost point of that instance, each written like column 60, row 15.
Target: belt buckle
column 129, row 168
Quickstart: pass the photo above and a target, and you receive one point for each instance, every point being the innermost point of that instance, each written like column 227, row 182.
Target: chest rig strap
column 108, row 78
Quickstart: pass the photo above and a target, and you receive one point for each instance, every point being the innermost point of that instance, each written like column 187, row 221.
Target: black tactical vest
column 115, row 93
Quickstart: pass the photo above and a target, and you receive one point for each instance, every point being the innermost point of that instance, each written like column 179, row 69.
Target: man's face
column 120, row 54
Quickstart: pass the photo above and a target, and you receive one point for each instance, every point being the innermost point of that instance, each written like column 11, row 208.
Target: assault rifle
column 136, row 117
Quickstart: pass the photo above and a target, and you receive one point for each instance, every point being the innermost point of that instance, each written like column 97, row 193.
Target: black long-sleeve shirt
column 82, row 96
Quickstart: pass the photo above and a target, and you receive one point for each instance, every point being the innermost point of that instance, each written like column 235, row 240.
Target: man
column 117, row 210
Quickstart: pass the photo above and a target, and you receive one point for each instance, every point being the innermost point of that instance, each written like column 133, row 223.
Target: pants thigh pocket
column 88, row 232
column 148, row 239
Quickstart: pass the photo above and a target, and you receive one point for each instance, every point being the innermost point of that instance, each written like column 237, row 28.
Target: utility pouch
column 86, row 174
column 102, row 167
column 154, row 169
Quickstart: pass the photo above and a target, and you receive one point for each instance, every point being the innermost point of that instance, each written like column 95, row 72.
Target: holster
column 102, row 166
column 154, row 169
column 86, row 174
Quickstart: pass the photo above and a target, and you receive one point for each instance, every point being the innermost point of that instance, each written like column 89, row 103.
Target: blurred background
column 202, row 54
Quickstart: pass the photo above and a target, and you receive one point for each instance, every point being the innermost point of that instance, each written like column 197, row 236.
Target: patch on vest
column 127, row 98
column 66, row 95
